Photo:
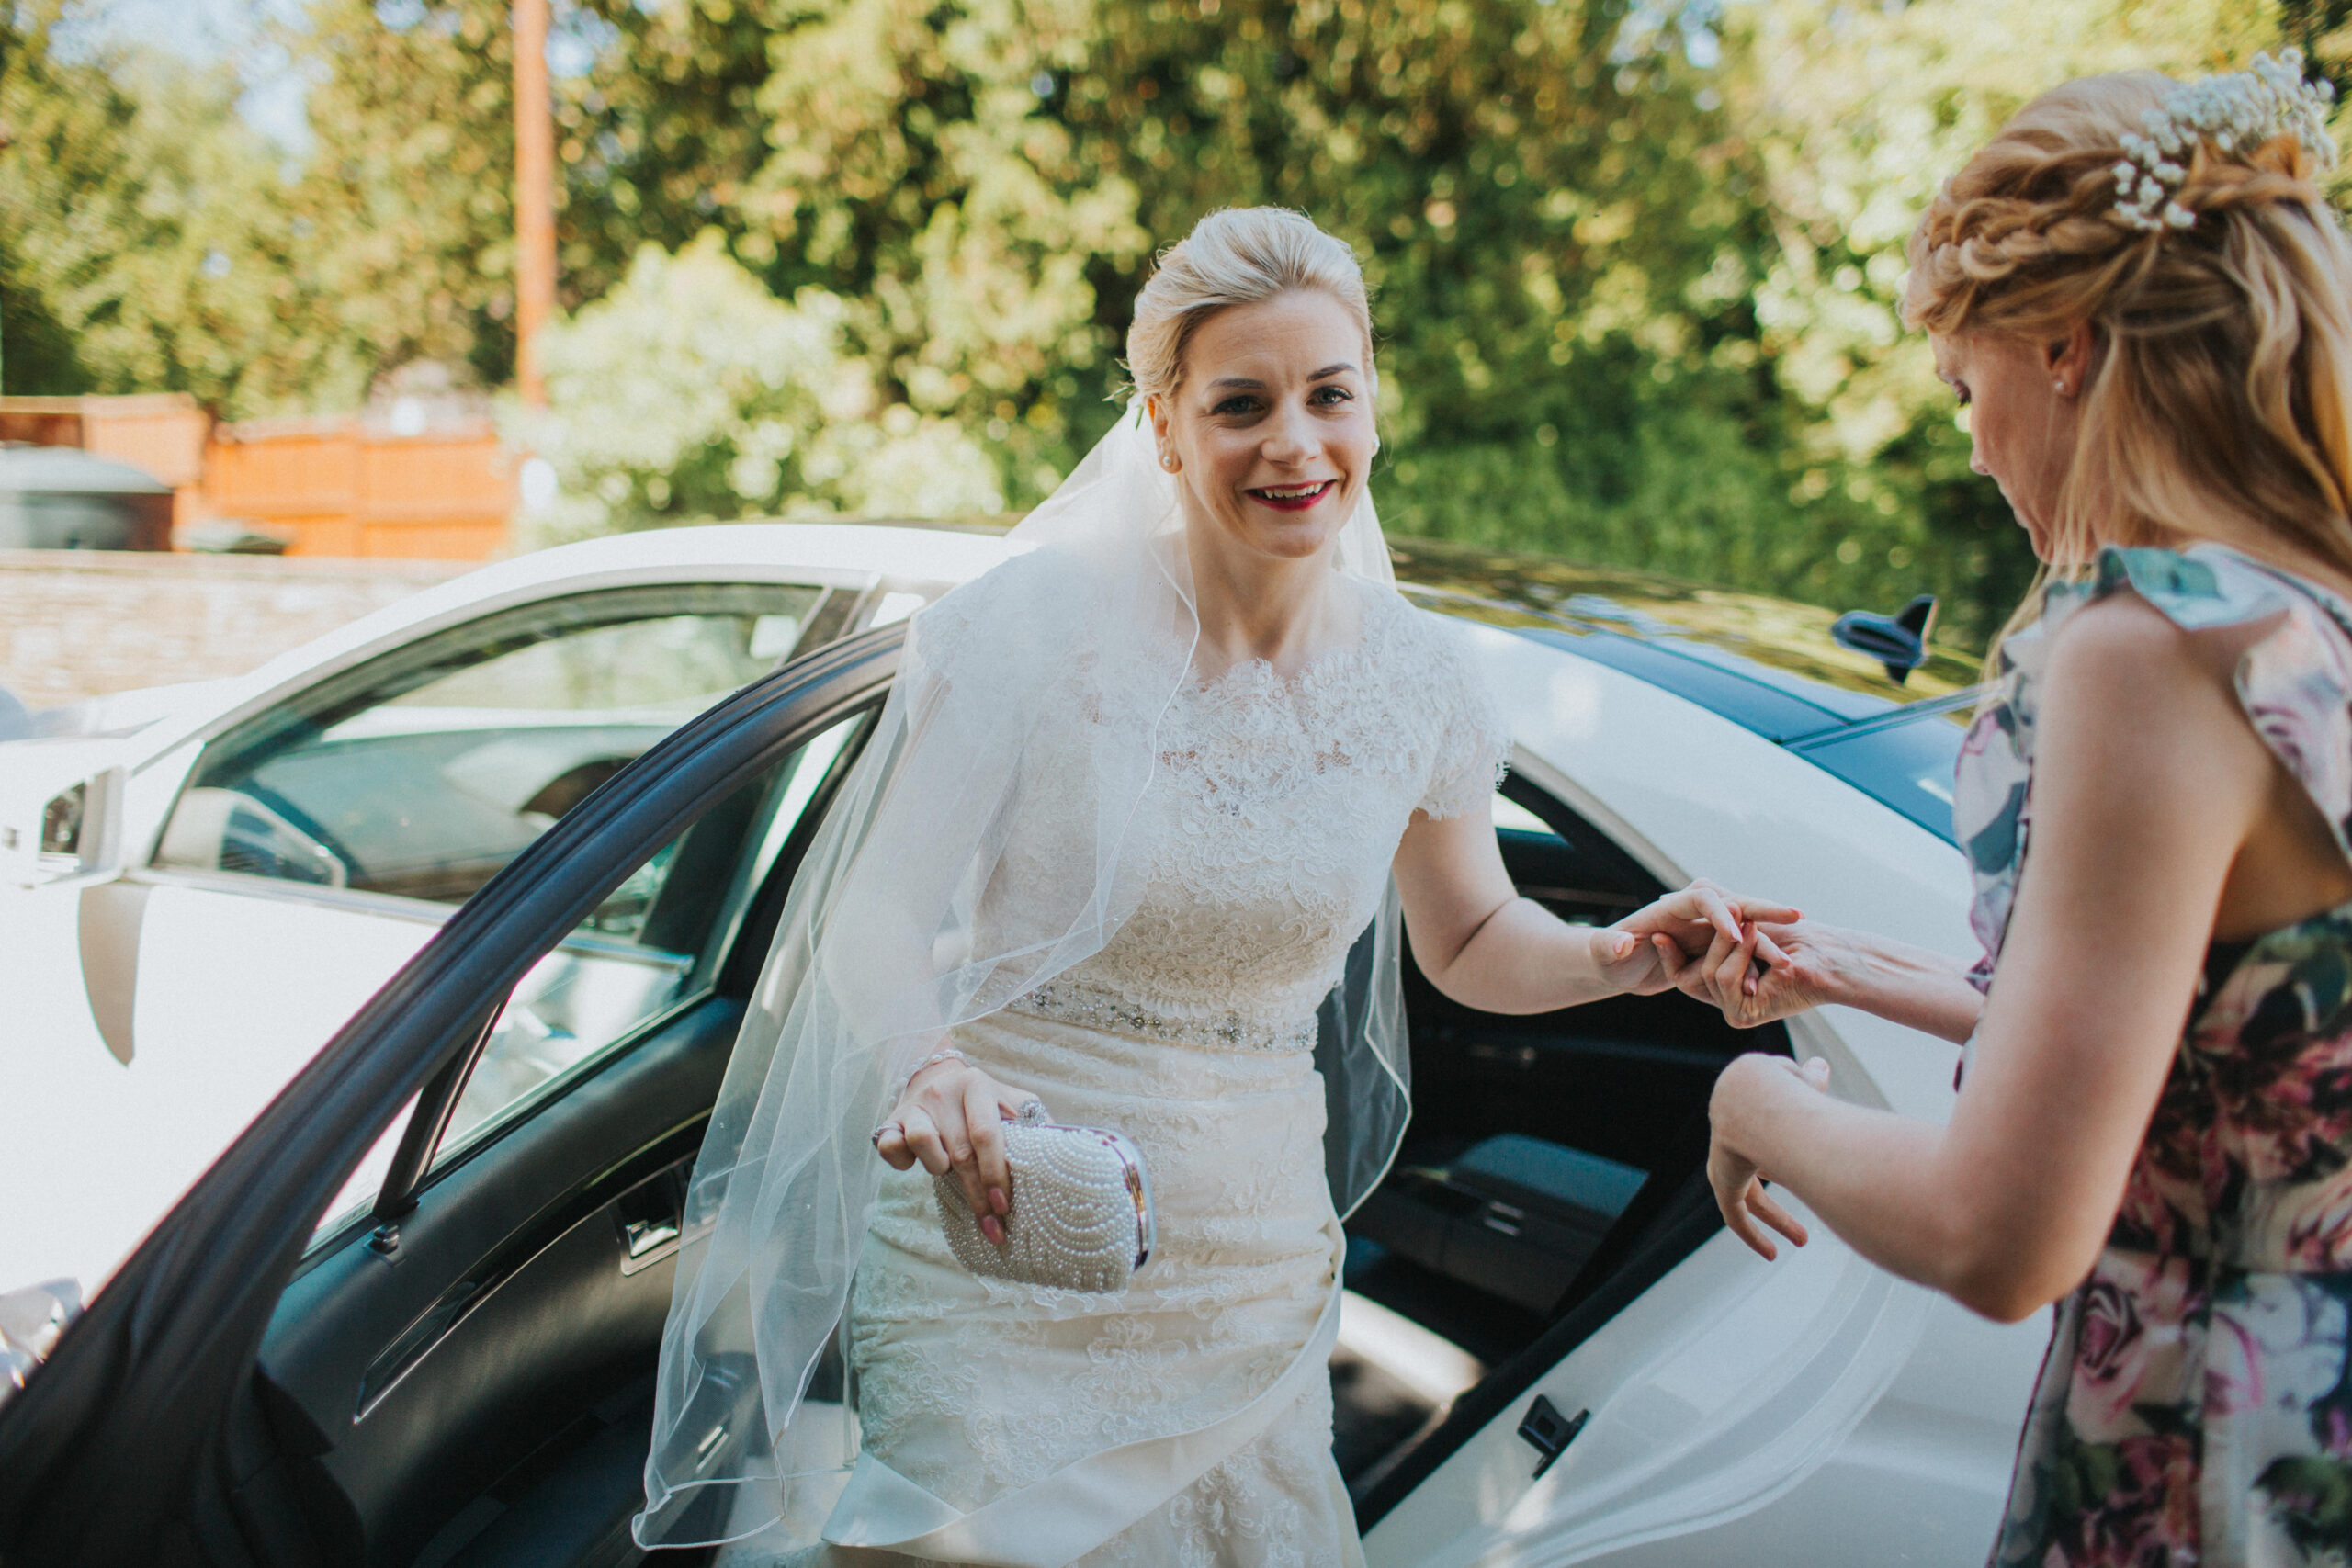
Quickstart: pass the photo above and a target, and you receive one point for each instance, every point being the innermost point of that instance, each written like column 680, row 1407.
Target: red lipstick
column 1293, row 498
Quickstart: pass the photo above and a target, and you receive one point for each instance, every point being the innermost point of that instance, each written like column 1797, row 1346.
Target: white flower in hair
column 2239, row 111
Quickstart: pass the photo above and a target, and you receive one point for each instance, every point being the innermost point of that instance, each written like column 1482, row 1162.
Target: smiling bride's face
column 1269, row 430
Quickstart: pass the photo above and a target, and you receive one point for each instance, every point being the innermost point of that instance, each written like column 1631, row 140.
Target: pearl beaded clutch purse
column 1080, row 1216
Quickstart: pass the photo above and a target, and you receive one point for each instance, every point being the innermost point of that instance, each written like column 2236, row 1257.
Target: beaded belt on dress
column 1068, row 1001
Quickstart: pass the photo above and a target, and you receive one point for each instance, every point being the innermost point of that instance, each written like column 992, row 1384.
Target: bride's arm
column 1485, row 947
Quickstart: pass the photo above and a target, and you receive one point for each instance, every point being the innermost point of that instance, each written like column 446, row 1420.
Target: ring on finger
column 887, row 1127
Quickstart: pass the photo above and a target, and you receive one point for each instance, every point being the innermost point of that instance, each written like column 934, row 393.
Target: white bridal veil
column 905, row 920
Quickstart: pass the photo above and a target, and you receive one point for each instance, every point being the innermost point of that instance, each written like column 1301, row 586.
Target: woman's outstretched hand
column 1650, row 950
column 1778, row 967
column 950, row 1117
column 1738, row 1184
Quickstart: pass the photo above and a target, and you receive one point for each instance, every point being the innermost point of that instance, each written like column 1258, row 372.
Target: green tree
column 1852, row 116
column 144, row 241
column 1559, row 246
column 690, row 393
column 916, row 164
column 408, row 193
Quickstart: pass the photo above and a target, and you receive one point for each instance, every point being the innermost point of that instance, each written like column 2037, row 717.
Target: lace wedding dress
column 1193, row 1411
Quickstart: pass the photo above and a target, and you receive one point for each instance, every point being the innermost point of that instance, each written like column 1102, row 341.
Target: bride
column 1132, row 838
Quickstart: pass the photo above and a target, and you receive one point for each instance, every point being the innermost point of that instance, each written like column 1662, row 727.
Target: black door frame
column 142, row 1440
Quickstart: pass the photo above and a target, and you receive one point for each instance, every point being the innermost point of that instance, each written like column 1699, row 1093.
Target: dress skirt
column 1154, row 1426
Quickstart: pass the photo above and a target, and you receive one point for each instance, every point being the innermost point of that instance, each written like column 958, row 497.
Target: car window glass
column 424, row 772
column 1510, row 816
column 654, row 942
column 647, row 946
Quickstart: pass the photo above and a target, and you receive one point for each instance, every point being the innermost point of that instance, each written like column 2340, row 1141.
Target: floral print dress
column 2196, row 1406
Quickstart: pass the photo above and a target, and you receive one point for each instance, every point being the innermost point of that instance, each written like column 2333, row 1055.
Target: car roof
column 1767, row 665
column 889, row 553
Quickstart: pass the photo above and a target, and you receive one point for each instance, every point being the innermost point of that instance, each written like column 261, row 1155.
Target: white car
column 266, row 851
column 409, row 1314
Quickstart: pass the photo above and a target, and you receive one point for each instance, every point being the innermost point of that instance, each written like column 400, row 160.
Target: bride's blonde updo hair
column 2222, row 389
column 1238, row 256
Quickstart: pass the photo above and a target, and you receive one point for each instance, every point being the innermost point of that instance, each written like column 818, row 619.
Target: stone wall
column 76, row 624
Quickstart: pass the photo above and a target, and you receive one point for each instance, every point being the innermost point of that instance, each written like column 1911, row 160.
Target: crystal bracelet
column 948, row 1054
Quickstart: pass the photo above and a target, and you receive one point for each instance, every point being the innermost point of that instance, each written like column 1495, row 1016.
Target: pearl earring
column 1168, row 461
column 2059, row 386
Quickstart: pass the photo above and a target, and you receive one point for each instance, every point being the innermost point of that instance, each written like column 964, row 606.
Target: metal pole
column 8, row 140
column 534, row 196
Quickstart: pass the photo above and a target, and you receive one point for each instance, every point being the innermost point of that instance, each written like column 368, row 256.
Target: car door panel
column 1919, row 1484
column 1711, row 1392
column 1544, row 1154
column 511, row 1310
column 343, row 782
column 1691, row 794
column 244, row 1015
column 1685, row 791
column 147, row 1435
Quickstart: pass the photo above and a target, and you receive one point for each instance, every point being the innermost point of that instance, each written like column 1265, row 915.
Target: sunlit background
column 1635, row 266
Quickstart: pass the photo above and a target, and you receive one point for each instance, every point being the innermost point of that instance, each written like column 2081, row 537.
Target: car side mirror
column 31, row 1321
column 1899, row 642
column 69, row 834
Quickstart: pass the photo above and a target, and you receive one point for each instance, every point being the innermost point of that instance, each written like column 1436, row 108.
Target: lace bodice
column 1261, row 846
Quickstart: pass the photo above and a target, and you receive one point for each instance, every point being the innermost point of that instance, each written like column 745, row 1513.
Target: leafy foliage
column 690, row 391
column 143, row 243
column 1635, row 264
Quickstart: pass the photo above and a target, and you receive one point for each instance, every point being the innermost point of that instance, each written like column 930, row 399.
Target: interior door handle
column 644, row 1235
column 651, row 1215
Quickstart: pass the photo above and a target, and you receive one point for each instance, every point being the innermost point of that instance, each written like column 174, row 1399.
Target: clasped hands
column 1756, row 960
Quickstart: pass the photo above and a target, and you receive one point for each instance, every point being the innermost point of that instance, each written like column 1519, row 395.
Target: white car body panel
column 217, row 1045
column 834, row 555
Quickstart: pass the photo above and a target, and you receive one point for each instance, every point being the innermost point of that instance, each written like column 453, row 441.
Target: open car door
column 248, row 1391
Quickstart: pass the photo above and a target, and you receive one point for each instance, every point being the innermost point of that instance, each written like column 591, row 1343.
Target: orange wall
column 342, row 491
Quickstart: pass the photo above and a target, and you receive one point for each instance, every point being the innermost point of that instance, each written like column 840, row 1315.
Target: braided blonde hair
column 2220, row 399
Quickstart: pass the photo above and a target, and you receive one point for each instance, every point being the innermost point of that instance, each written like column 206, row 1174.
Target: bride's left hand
column 1690, row 919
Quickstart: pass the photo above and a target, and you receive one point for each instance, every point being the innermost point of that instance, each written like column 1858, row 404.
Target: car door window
column 423, row 772
column 653, row 943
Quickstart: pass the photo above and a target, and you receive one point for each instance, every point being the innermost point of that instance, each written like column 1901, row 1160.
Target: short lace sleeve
column 1472, row 743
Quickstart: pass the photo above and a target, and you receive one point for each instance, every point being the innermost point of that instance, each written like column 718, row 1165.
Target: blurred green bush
column 689, row 391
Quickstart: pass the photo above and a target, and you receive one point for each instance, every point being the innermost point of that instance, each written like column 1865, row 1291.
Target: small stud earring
column 2059, row 386
column 1168, row 460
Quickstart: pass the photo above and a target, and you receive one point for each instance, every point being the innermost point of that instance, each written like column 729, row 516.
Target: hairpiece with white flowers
column 2236, row 112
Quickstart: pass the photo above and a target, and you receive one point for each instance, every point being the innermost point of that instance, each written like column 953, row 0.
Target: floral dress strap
column 2294, row 682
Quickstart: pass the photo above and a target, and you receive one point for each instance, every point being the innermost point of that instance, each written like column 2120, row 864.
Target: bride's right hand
column 950, row 1117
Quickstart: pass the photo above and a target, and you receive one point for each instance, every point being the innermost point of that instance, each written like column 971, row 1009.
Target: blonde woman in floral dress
column 2146, row 299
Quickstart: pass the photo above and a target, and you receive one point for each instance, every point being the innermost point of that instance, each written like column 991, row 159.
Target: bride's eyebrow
column 1251, row 383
